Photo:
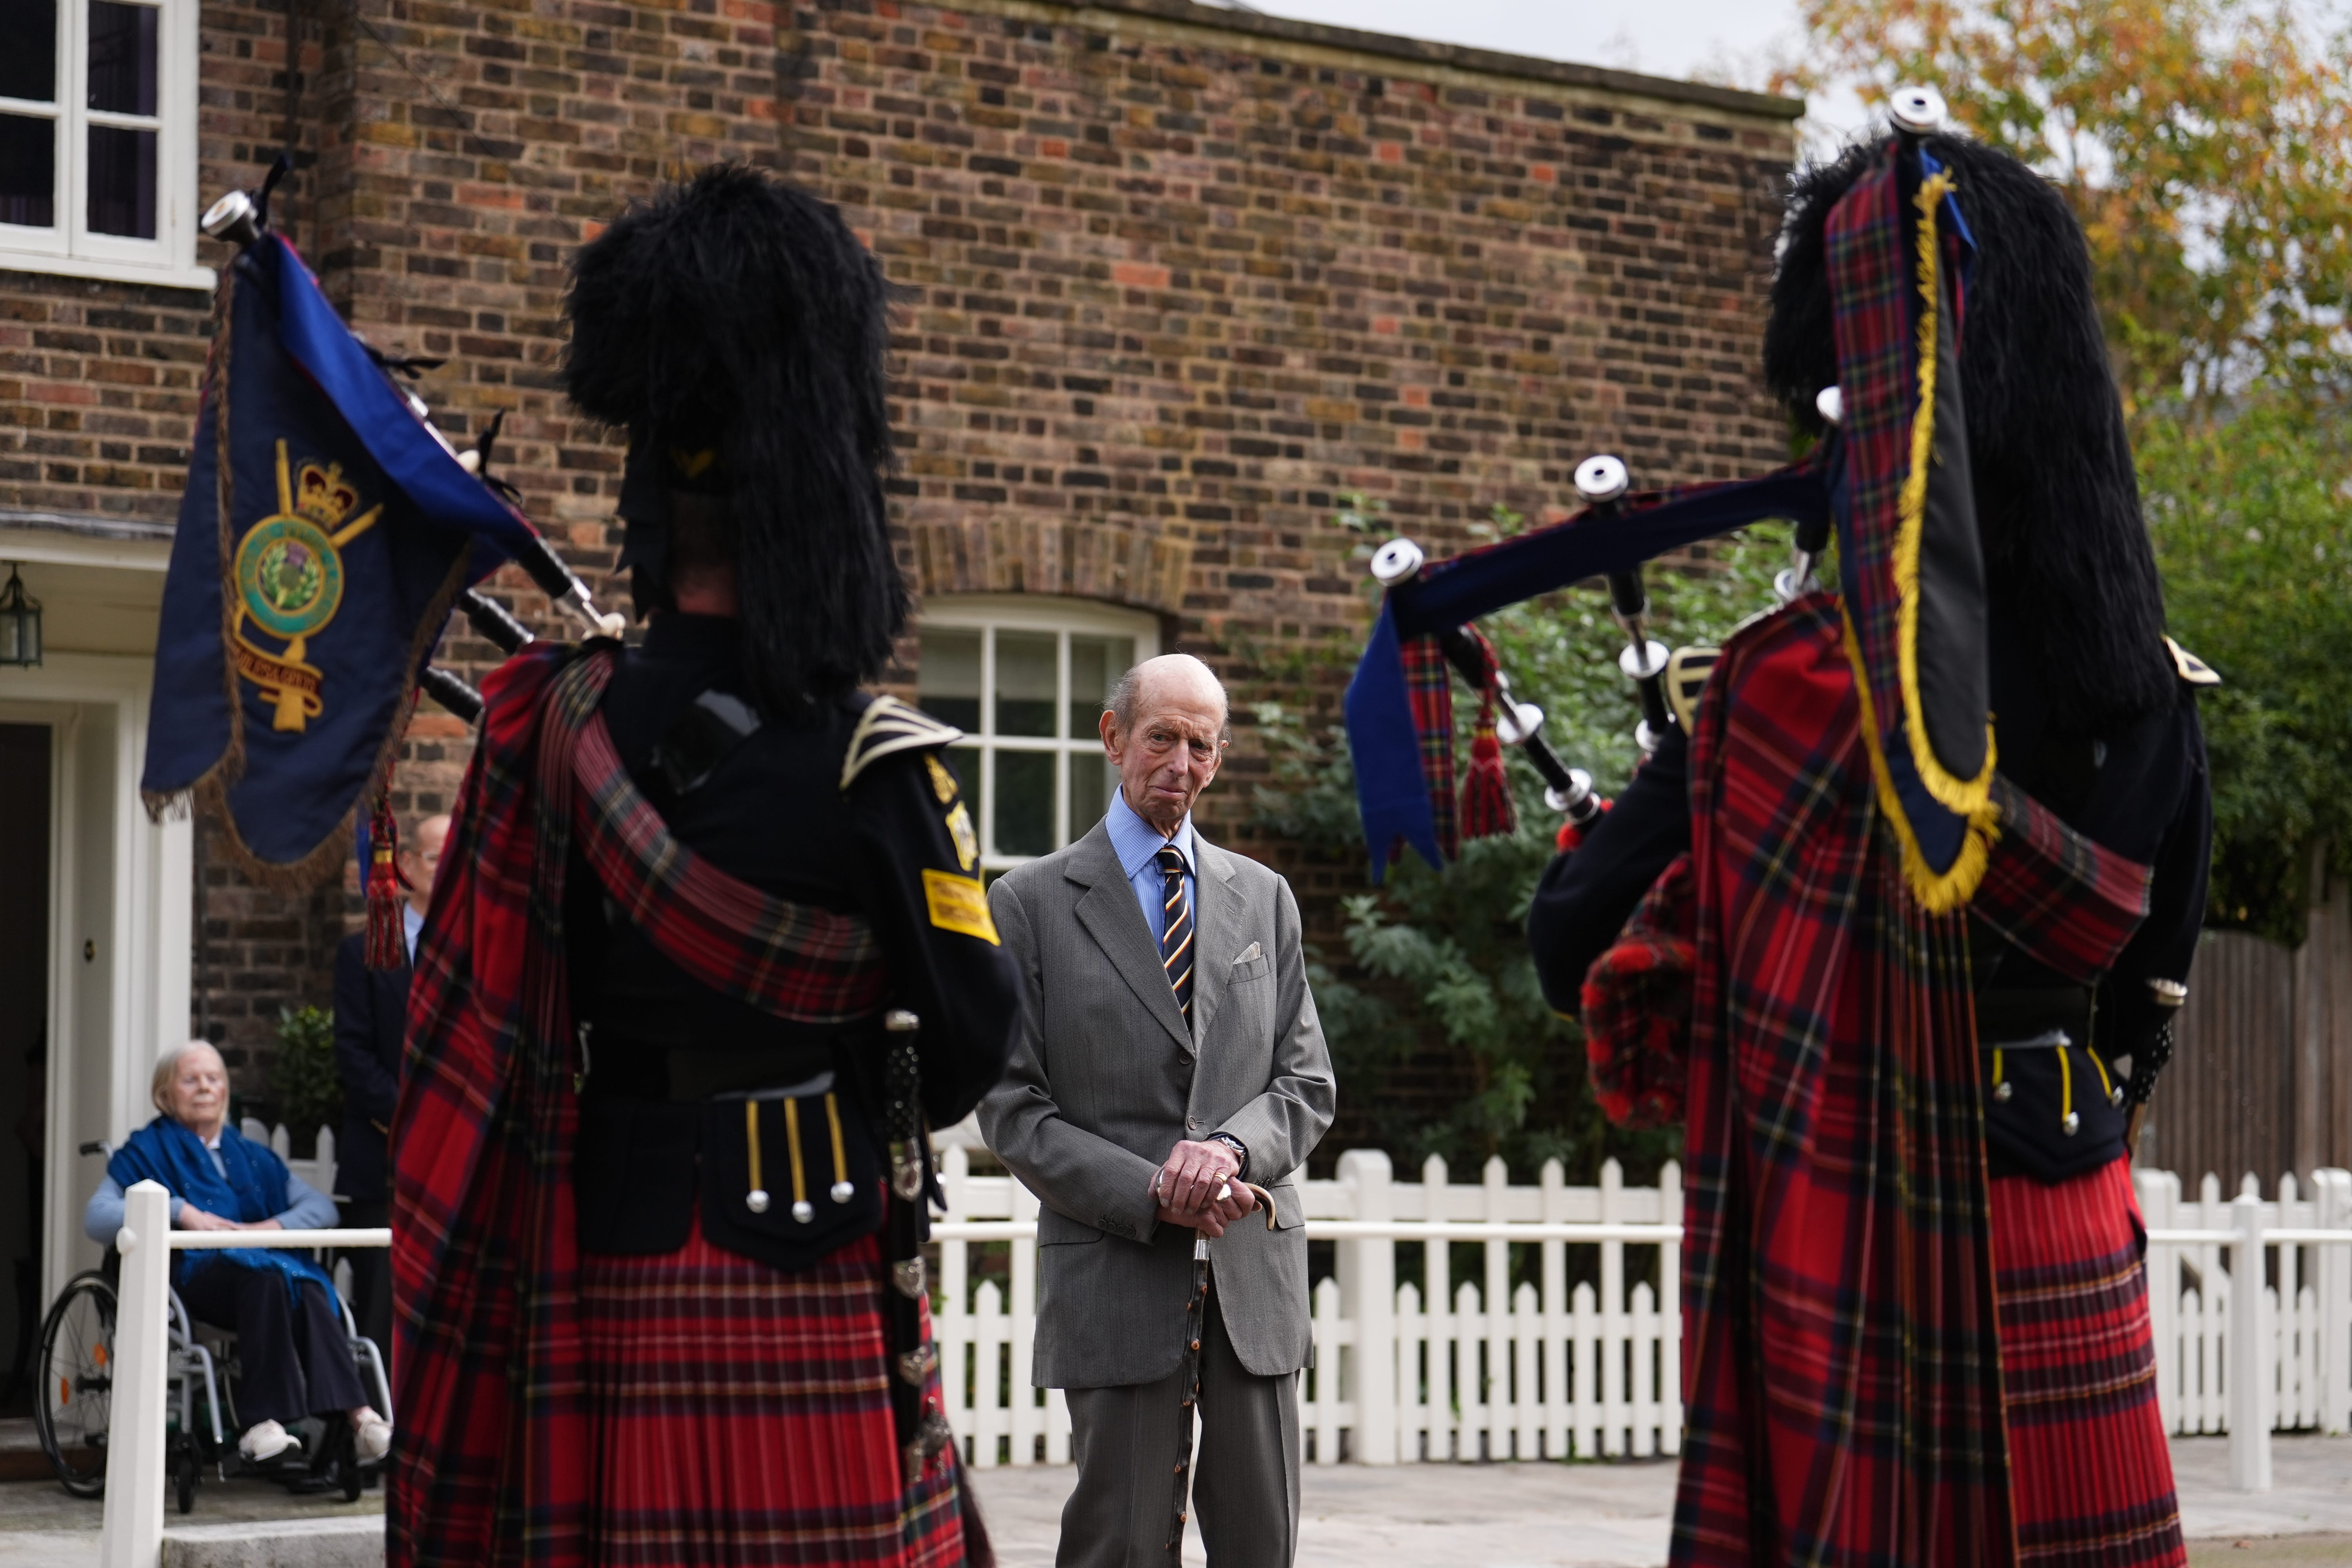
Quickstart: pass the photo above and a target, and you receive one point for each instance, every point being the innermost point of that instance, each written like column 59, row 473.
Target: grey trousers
column 1245, row 1470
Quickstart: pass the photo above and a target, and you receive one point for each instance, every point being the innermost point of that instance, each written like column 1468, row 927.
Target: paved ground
column 1427, row 1516
column 1616, row 1516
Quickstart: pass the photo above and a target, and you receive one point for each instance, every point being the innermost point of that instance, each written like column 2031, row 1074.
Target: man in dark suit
column 371, row 1017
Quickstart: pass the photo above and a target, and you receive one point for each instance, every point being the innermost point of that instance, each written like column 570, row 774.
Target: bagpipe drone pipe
column 1399, row 706
column 327, row 531
column 1891, row 477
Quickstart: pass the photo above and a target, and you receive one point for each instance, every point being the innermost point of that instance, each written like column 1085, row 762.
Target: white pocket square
column 1248, row 953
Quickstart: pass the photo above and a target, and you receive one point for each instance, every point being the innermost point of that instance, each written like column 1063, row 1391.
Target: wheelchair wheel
column 76, row 1383
column 184, row 1471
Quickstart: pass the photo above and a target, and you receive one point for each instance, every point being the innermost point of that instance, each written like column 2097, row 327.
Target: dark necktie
column 1176, row 942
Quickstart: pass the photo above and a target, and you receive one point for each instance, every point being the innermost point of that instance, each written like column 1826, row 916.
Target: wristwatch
column 1240, row 1149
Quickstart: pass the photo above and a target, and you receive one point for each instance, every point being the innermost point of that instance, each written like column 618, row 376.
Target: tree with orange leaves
column 2206, row 145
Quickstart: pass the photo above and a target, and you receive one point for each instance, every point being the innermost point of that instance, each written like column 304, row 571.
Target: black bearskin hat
column 736, row 328
column 2067, row 559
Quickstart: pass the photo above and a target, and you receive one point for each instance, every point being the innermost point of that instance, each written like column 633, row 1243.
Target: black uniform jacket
column 774, row 814
column 2142, row 793
column 370, row 1018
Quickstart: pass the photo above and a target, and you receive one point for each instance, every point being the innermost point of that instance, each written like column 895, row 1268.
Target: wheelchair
column 76, row 1372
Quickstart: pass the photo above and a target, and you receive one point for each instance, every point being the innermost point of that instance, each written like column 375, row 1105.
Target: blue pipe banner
column 323, row 534
column 1394, row 738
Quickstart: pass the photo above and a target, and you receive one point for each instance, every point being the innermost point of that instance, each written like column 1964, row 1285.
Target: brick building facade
column 1177, row 279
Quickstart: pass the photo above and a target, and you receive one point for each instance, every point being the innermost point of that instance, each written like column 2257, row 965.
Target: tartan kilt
column 2090, row 1471
column 740, row 1416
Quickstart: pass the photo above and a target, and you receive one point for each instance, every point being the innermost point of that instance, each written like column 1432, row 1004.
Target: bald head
column 1165, row 729
column 1181, row 674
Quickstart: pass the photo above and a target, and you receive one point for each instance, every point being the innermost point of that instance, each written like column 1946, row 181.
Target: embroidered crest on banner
column 289, row 583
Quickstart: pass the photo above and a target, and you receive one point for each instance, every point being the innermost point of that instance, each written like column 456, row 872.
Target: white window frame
column 68, row 249
column 988, row 613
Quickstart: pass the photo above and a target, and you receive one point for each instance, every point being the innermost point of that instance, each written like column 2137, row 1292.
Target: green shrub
column 308, row 1091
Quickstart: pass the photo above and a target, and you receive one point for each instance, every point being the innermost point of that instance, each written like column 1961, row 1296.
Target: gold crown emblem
column 324, row 496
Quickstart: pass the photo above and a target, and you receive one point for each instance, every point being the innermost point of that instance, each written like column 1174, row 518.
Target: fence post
column 2332, row 1209
column 2251, row 1336
column 1368, row 1292
column 1025, row 1422
column 134, row 1446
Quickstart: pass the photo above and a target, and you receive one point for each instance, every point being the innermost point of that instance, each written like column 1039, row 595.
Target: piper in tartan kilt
column 707, row 952
column 1938, row 845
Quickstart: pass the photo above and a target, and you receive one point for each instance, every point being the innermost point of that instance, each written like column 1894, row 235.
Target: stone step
column 353, row 1542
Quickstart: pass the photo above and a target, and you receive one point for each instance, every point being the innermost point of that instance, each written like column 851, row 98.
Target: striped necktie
column 1176, row 940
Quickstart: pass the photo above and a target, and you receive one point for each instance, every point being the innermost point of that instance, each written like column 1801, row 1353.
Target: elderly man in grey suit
column 1169, row 1055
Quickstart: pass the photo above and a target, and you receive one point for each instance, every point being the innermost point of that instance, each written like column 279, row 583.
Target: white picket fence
column 2293, row 1370
column 319, row 1170
column 1407, row 1373
column 1403, row 1371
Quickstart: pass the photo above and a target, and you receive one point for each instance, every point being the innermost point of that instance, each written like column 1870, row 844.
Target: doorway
column 26, row 777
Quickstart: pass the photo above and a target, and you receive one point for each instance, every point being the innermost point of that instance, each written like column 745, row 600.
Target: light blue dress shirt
column 411, row 926
column 1138, row 845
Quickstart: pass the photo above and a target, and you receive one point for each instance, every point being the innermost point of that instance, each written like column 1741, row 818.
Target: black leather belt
column 2019, row 1019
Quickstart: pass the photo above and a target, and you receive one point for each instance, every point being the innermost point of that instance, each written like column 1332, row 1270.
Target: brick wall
column 1177, row 277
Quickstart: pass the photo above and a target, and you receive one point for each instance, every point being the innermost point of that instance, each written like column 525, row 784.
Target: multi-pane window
column 97, row 136
column 1024, row 680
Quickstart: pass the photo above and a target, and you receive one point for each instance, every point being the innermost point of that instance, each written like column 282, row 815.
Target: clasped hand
column 191, row 1217
column 1186, row 1188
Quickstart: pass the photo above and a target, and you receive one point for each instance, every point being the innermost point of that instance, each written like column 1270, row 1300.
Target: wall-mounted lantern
column 20, row 622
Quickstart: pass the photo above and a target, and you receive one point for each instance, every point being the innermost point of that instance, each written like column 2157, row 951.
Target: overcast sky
column 1723, row 38
column 1737, row 41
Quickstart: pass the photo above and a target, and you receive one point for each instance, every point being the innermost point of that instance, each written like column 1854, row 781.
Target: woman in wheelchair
column 291, row 1340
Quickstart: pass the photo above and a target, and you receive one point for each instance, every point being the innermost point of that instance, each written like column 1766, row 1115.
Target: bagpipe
column 1399, row 706
column 327, row 531
column 1889, row 482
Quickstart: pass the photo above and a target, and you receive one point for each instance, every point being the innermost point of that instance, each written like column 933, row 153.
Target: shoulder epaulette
column 889, row 725
column 1687, row 672
column 2191, row 669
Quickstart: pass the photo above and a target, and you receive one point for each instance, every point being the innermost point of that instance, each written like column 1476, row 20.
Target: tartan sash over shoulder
column 490, row 1466
column 1841, row 1344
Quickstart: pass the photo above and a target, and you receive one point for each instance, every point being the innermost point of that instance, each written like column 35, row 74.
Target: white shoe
column 373, row 1439
column 266, row 1440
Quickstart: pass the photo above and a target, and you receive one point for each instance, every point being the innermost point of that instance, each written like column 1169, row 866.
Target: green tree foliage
column 302, row 1078
column 2253, row 522
column 1437, row 961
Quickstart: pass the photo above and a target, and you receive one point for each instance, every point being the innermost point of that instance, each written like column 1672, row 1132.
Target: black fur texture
column 738, row 311
column 2067, row 559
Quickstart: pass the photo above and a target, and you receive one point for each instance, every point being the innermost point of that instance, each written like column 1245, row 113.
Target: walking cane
column 1188, row 1369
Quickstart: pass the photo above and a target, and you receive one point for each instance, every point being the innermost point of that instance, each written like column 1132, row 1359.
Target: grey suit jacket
column 1105, row 1077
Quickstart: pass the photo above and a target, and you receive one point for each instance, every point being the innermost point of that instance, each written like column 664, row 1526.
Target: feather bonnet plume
column 737, row 316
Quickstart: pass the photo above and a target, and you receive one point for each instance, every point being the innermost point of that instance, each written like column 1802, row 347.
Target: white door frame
column 149, row 931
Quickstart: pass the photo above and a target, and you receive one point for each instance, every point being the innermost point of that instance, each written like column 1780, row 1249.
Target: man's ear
column 1107, row 724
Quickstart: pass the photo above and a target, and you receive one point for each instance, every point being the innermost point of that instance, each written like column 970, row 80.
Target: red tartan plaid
column 490, row 1466
column 740, row 1416
column 1637, row 1007
column 1429, row 686
column 2089, row 1467
column 796, row 960
column 2061, row 898
column 1840, row 1348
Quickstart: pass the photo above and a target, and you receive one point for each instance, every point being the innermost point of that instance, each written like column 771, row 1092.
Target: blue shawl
column 254, row 1189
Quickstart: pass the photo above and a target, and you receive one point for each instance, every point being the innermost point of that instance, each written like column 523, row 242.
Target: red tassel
column 1571, row 836
column 387, row 934
column 1487, row 808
